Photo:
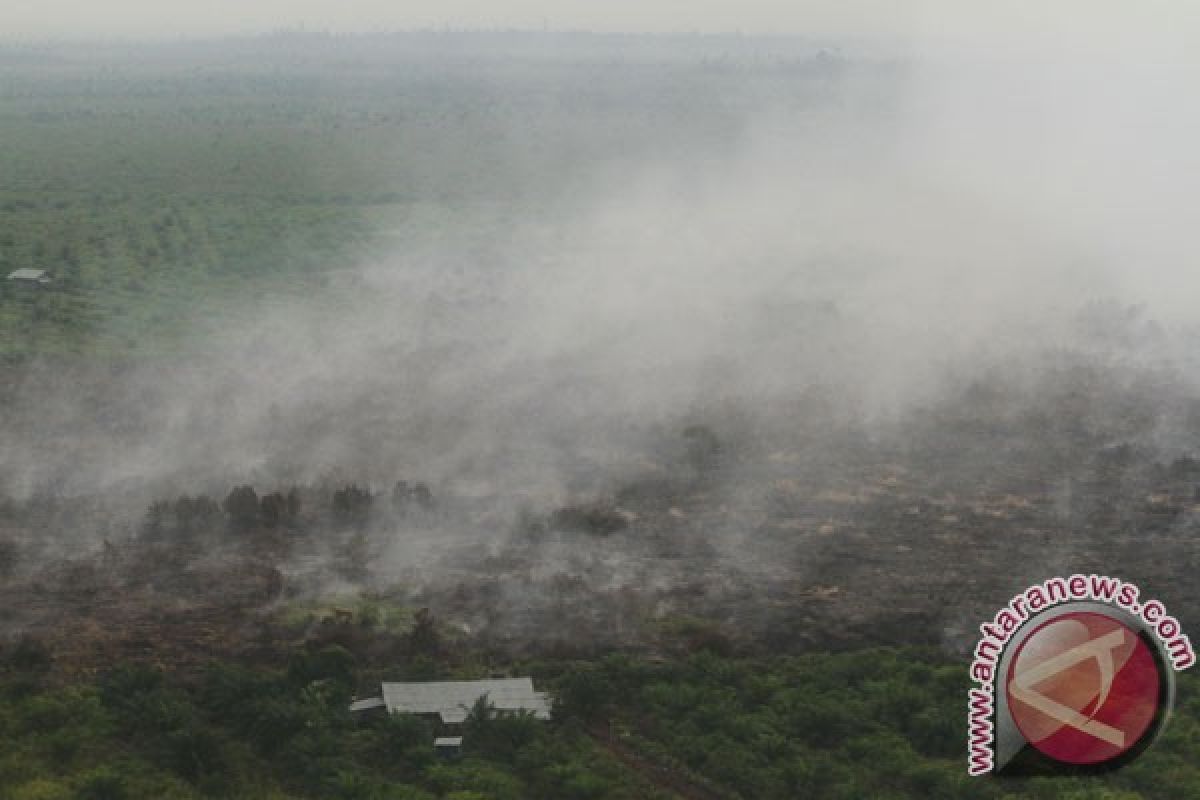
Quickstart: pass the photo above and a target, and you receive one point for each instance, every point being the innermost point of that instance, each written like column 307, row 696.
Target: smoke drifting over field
column 854, row 261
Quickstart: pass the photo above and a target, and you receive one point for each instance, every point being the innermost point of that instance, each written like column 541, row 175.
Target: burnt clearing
column 731, row 532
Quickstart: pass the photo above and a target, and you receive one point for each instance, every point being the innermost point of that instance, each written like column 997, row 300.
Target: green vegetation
column 234, row 732
column 155, row 199
column 167, row 191
column 877, row 723
column 131, row 257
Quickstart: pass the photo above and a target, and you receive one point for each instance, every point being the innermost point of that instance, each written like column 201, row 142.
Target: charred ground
column 738, row 533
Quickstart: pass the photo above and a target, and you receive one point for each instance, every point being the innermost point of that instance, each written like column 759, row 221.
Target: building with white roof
column 452, row 701
column 26, row 275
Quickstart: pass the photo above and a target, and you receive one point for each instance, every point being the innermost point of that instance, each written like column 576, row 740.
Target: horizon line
column 32, row 39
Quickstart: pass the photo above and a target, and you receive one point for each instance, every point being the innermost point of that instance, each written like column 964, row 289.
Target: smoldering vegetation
column 797, row 355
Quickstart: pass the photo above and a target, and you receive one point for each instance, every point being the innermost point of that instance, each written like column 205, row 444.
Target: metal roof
column 366, row 704
column 26, row 274
column 452, row 700
column 448, row 741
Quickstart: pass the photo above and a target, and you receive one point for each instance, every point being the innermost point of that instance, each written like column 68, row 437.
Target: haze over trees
column 722, row 383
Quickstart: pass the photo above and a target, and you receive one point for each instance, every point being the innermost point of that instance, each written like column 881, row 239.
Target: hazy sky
column 1105, row 24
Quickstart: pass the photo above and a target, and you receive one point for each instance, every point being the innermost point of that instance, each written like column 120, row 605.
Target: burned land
column 730, row 531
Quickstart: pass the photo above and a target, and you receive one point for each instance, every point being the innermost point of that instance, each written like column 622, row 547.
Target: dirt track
column 662, row 777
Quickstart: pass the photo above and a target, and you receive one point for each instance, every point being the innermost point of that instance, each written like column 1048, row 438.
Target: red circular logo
column 1084, row 688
